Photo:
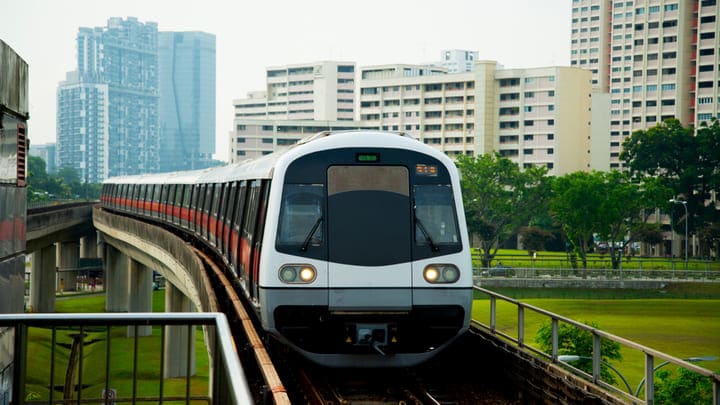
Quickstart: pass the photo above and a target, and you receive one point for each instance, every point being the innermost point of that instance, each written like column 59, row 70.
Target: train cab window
column 301, row 215
column 435, row 219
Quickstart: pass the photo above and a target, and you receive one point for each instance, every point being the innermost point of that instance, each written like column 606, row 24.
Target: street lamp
column 569, row 358
column 663, row 364
column 684, row 204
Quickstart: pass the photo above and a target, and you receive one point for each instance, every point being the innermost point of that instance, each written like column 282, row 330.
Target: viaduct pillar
column 117, row 280
column 179, row 340
column 141, row 288
column 43, row 279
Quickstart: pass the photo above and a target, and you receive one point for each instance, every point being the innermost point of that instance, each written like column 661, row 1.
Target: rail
column 649, row 354
column 82, row 358
column 597, row 274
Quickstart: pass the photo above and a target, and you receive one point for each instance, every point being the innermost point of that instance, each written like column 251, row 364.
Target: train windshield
column 369, row 215
column 301, row 216
column 435, row 219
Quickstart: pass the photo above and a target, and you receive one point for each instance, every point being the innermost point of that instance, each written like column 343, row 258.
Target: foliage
column 649, row 233
column 685, row 162
column 499, row 198
column 574, row 205
column 534, row 238
column 682, row 387
column 607, row 204
column 66, row 184
column 579, row 342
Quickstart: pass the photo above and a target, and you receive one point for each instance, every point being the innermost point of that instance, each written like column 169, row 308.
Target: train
column 351, row 246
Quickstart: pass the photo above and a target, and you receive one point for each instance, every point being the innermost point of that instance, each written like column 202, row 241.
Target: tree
column 625, row 210
column 685, row 162
column 607, row 204
column 579, row 342
column 534, row 238
column 42, row 186
column 683, row 387
column 574, row 204
column 499, row 198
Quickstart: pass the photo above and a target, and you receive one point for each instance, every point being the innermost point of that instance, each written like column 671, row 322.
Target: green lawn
column 123, row 363
column 679, row 327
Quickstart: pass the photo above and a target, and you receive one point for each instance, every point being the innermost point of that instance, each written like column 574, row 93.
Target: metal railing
column 649, row 354
column 597, row 274
column 82, row 358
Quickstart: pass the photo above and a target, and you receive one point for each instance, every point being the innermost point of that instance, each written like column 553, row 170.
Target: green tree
column 574, row 204
column 685, row 161
column 534, row 238
column 499, row 198
column 579, row 342
column 625, row 210
column 610, row 205
column 682, row 387
column 41, row 185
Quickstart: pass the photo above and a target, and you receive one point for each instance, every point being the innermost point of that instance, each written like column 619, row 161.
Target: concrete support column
column 117, row 279
column 141, row 288
column 43, row 278
column 177, row 338
column 69, row 253
column 89, row 246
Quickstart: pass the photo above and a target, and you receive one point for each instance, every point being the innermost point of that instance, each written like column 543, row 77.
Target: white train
column 351, row 246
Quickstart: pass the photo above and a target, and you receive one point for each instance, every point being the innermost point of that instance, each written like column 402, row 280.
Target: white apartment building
column 539, row 116
column 657, row 59
column 322, row 91
column 299, row 100
column 253, row 138
column 457, row 60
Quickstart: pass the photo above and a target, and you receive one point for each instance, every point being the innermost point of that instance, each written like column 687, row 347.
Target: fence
column 101, row 359
column 597, row 274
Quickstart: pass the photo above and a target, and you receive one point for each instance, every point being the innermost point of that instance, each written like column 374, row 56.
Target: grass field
column 122, row 360
column 681, row 327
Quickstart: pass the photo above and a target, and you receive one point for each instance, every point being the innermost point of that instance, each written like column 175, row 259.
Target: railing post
column 19, row 364
column 521, row 326
column 649, row 379
column 597, row 357
column 493, row 310
column 555, row 339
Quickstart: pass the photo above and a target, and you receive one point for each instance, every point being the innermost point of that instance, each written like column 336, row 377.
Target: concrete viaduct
column 60, row 237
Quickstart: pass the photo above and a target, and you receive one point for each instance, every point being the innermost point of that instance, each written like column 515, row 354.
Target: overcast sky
column 252, row 35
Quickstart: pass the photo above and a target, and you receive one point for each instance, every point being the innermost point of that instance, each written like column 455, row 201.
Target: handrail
column 650, row 353
column 234, row 387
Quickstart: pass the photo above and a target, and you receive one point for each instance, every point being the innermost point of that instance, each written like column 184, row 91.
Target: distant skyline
column 254, row 35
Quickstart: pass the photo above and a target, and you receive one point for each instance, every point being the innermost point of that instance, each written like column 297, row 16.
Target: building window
column 240, row 140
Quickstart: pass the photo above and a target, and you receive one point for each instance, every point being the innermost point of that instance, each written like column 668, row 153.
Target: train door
column 247, row 243
column 369, row 224
column 237, row 228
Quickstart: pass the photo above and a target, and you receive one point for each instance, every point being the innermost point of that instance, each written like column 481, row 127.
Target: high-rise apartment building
column 187, row 100
column 107, row 119
column 322, row 91
column 657, row 59
column 537, row 116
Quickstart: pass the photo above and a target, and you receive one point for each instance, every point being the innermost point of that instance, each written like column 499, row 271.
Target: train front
column 370, row 265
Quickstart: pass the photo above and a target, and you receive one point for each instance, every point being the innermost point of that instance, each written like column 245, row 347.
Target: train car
column 351, row 246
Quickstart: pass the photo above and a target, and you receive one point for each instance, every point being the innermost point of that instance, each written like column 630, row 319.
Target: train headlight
column 297, row 273
column 441, row 273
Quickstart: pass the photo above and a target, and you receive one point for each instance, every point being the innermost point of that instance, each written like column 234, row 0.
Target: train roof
column 263, row 167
